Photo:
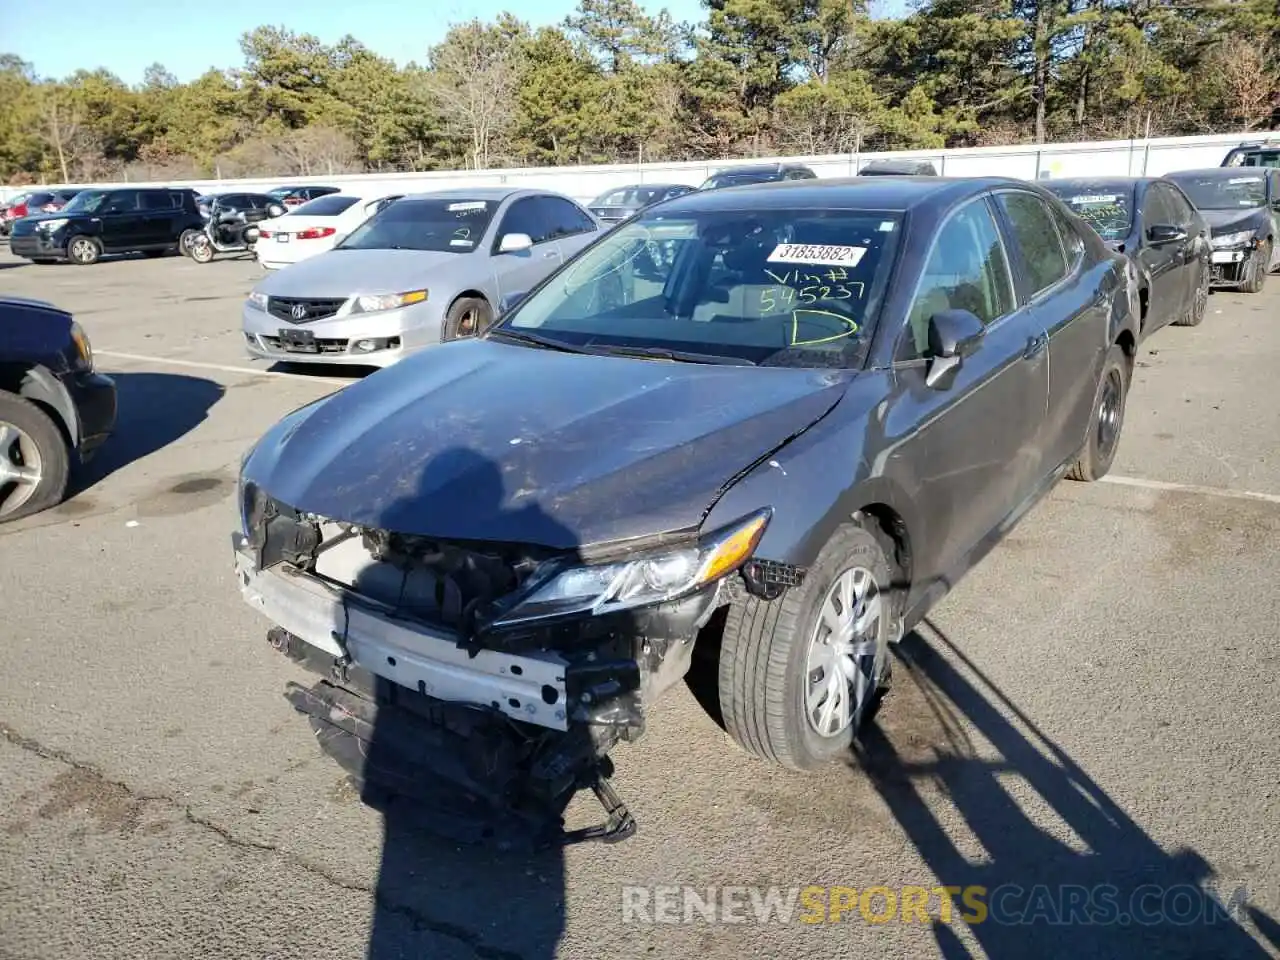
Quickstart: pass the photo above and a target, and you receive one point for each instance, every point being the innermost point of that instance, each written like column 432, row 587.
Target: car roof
column 479, row 193
column 854, row 193
column 1221, row 172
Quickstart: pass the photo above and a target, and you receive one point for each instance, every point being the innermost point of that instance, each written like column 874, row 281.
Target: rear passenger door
column 980, row 436
column 1067, row 302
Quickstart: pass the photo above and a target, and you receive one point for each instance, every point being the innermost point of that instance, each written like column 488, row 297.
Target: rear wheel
column 800, row 676
column 35, row 463
column 83, row 250
column 467, row 317
column 1107, row 420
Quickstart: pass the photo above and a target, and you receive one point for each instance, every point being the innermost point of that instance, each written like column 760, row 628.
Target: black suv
column 149, row 219
column 1257, row 153
column 54, row 409
column 757, row 173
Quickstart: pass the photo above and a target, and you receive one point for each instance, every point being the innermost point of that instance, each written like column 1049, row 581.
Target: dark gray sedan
column 774, row 451
column 613, row 207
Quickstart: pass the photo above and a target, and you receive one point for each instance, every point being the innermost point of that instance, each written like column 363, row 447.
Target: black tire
column 52, row 448
column 1259, row 269
column 467, row 317
column 83, row 251
column 1104, row 435
column 763, row 658
column 1199, row 301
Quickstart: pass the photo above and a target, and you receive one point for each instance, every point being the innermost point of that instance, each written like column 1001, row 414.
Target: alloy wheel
column 82, row 250
column 846, row 660
column 21, row 468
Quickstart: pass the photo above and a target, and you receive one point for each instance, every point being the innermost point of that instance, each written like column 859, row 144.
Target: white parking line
column 225, row 368
column 1193, row 488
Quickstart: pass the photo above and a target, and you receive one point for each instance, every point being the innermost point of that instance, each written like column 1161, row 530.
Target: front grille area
column 283, row 308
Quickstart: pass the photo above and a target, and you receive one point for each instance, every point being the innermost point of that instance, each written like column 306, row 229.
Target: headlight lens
column 83, row 348
column 389, row 301
column 645, row 580
column 57, row 223
column 1238, row 239
column 258, row 300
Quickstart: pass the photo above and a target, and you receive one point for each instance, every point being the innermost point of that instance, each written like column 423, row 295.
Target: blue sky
column 190, row 37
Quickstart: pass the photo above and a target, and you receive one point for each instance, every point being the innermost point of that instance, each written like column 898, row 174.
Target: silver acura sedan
column 427, row 269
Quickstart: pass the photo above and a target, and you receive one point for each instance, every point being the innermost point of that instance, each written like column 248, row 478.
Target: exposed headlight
column 257, row 300
column 389, row 301
column 648, row 579
column 83, row 348
column 57, row 223
column 1238, row 239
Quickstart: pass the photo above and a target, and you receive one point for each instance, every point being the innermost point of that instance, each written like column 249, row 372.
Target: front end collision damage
column 435, row 688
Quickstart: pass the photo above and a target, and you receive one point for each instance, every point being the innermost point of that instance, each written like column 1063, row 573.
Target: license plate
column 298, row 341
column 282, row 238
column 1228, row 256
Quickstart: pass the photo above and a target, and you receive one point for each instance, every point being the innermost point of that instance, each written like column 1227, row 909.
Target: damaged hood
column 1233, row 221
column 480, row 440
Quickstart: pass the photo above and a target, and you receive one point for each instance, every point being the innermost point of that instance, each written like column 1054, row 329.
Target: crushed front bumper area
column 488, row 744
column 1232, row 268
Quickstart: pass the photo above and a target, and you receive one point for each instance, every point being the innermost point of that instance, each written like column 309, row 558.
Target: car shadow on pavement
column 1109, row 891
column 153, row 410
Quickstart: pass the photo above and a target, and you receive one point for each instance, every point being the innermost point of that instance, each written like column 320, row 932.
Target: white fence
column 1103, row 158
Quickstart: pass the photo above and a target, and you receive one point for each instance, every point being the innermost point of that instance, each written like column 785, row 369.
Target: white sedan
column 313, row 227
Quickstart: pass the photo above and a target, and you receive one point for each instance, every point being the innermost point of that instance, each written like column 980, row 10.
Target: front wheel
column 468, row 317
column 186, row 239
column 1259, row 269
column 83, row 250
column 35, row 462
column 800, row 676
column 1107, row 419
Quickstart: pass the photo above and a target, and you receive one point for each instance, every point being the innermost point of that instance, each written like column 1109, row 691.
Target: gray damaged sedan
column 427, row 269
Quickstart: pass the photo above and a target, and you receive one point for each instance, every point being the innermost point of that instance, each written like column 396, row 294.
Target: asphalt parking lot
column 1094, row 708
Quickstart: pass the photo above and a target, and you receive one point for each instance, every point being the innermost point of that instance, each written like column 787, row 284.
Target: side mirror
column 1165, row 233
column 953, row 335
column 509, row 302
column 515, row 242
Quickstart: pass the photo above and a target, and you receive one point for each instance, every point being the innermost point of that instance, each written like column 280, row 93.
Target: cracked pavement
column 1095, row 705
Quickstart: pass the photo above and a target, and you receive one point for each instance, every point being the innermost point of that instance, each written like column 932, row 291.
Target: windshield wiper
column 533, row 339
column 662, row 353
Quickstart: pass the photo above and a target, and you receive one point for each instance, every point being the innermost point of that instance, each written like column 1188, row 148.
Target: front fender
column 41, row 386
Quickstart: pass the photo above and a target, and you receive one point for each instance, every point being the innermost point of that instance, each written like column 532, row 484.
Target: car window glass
column 1070, row 235
column 1037, row 239
column 1156, row 208
column 966, row 270
column 566, row 219
column 122, row 201
column 526, row 216
column 156, row 200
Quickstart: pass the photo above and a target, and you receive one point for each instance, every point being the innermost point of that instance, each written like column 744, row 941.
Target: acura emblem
column 299, row 312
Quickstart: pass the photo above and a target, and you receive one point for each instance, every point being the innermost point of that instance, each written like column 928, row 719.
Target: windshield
column 453, row 226
column 329, row 205
column 1223, row 193
column 87, row 202
column 1109, row 212
column 783, row 288
column 719, row 180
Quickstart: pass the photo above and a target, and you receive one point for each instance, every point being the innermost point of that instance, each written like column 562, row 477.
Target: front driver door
column 521, row 270
column 979, row 438
column 124, row 227
column 1159, row 262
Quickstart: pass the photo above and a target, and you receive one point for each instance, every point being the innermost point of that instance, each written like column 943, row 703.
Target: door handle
column 1036, row 345
column 550, row 255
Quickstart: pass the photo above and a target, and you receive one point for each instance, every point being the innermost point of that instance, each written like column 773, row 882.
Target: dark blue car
column 55, row 410
column 764, row 427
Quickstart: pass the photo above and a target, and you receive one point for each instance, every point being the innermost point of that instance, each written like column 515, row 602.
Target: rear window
column 1260, row 158
column 327, row 206
column 1108, row 211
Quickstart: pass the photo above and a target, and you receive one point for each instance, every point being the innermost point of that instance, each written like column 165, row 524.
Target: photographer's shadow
column 1046, row 896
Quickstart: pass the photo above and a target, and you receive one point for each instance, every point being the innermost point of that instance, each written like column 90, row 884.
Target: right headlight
column 1238, row 239
column 643, row 580
column 258, row 301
